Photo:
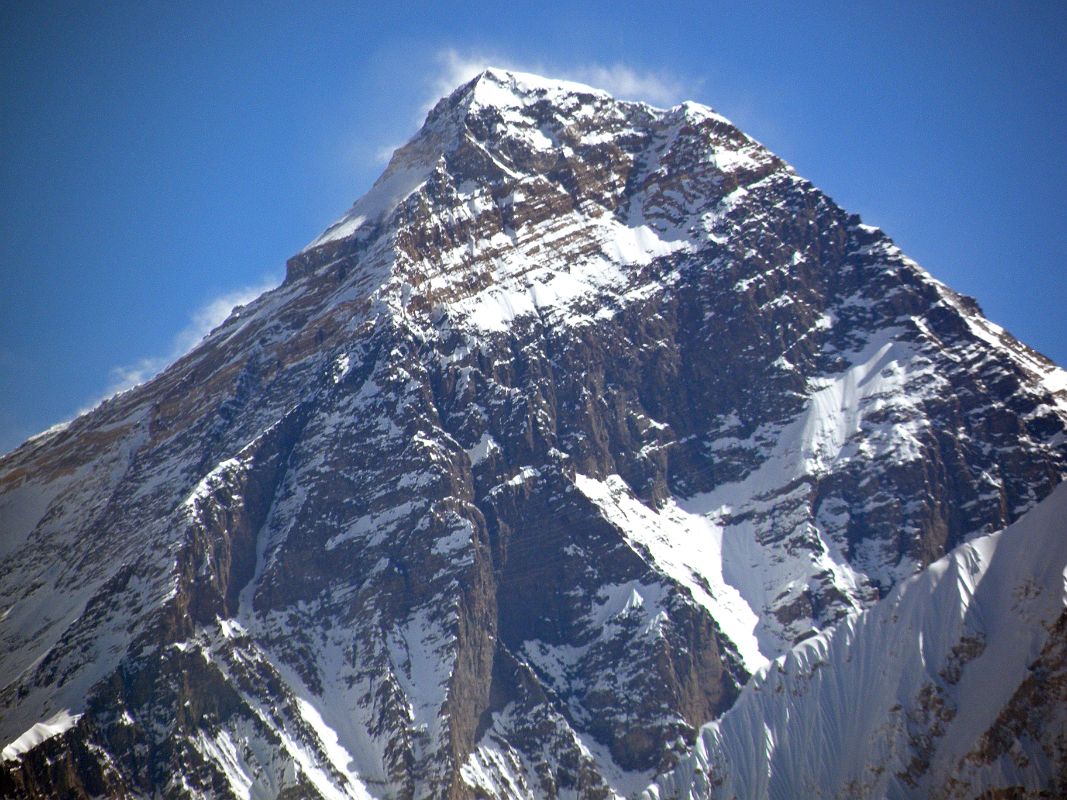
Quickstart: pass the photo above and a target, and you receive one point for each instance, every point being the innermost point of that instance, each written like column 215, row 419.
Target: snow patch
column 482, row 449
column 688, row 547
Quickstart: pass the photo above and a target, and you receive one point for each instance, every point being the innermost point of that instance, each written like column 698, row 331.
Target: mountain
column 584, row 415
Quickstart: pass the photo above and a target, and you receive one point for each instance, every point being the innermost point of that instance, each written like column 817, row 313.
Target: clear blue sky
column 159, row 159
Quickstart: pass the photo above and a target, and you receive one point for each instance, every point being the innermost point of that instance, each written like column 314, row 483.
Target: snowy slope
column 908, row 699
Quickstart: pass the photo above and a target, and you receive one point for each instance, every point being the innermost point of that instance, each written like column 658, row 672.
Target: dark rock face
column 582, row 414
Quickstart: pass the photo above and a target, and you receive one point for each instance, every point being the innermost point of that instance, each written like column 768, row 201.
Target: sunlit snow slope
column 954, row 684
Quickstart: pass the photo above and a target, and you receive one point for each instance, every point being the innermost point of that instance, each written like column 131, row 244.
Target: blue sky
column 160, row 161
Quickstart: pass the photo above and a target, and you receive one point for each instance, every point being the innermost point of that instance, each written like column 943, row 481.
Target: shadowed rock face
column 583, row 413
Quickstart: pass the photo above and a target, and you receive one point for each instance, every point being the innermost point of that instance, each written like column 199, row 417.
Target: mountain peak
column 585, row 412
column 503, row 131
column 502, row 88
column 496, row 100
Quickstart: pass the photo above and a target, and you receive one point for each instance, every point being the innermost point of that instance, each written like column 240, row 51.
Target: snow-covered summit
column 503, row 88
column 507, row 99
column 412, row 164
column 522, row 196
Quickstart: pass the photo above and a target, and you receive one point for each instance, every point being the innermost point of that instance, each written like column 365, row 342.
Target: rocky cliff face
column 581, row 415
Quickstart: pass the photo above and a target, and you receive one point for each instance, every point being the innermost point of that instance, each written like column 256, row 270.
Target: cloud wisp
column 621, row 80
column 201, row 322
column 452, row 67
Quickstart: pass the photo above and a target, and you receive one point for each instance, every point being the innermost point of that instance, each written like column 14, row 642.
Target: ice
column 517, row 291
column 341, row 229
column 456, row 540
column 421, row 652
column 221, row 749
column 339, row 757
column 340, row 367
column 833, row 429
column 1052, row 377
column 22, row 508
column 525, row 474
column 293, row 731
column 499, row 770
column 397, row 183
column 370, row 528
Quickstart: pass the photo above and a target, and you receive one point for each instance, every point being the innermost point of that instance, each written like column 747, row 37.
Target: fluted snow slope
column 952, row 686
